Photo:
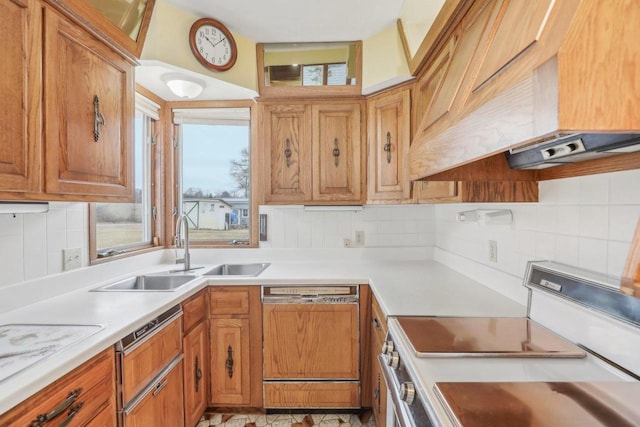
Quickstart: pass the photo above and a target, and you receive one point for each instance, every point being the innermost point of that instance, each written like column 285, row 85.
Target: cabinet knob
column 387, row 347
column 387, row 147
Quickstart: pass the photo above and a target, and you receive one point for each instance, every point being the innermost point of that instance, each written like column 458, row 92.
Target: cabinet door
column 337, row 152
column 230, row 370
column 288, row 153
column 89, row 112
column 162, row 406
column 520, row 25
column 442, row 82
column 196, row 371
column 318, row 341
column 389, row 137
column 379, row 393
column 20, row 46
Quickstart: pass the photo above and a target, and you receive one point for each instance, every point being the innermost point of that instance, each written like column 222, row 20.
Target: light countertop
column 402, row 287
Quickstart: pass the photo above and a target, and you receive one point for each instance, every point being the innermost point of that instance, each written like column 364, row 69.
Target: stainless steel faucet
column 182, row 240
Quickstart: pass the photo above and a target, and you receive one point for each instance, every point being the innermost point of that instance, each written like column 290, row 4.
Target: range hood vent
column 571, row 149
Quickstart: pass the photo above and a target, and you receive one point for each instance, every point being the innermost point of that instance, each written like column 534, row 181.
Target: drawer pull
column 42, row 419
column 198, row 374
column 98, row 118
column 336, row 152
column 376, row 324
column 287, row 152
column 229, row 362
column 72, row 413
column 160, row 386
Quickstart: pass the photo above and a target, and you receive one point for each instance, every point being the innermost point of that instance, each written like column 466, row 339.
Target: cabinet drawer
column 92, row 384
column 140, row 365
column 379, row 321
column 235, row 301
column 312, row 395
column 193, row 311
column 161, row 404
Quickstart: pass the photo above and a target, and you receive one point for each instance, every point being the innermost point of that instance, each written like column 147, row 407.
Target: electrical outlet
column 347, row 242
column 359, row 240
column 493, row 251
column 71, row 258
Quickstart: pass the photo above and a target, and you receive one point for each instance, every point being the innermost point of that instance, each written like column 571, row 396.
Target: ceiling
column 298, row 20
column 275, row 21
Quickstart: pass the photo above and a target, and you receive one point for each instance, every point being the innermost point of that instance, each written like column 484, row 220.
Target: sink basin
column 238, row 270
column 149, row 282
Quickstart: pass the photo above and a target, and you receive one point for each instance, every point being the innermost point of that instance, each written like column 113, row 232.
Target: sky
column 207, row 153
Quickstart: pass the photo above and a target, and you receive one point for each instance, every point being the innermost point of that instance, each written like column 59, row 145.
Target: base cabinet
column 84, row 397
column 195, row 345
column 379, row 385
column 235, row 336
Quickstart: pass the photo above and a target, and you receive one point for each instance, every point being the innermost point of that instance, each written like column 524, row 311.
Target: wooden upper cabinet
column 286, row 134
column 89, row 113
column 20, row 121
column 389, row 137
column 520, row 24
column 336, row 152
column 313, row 152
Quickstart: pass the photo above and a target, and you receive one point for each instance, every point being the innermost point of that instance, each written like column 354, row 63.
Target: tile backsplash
column 31, row 244
column 383, row 226
column 584, row 221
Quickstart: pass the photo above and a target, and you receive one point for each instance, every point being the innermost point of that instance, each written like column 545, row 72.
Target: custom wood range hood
column 506, row 74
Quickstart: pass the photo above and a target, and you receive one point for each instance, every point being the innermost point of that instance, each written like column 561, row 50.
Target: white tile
column 10, row 225
column 568, row 220
column 370, row 213
column 54, row 262
column 592, row 254
column 345, row 228
column 617, row 257
column 317, row 230
column 11, row 254
column 291, row 228
column 564, row 191
column 304, row 232
column 35, row 225
column 75, row 219
column 384, row 213
column 623, row 220
column 35, row 258
column 567, row 250
column 594, row 222
column 594, row 189
column 76, row 239
column 545, row 246
column 330, row 222
column 625, row 187
column 57, row 219
column 56, row 241
column 545, row 218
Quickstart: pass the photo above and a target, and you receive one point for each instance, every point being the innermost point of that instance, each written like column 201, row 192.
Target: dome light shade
column 183, row 86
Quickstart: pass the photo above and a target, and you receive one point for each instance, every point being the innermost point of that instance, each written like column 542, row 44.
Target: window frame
column 255, row 196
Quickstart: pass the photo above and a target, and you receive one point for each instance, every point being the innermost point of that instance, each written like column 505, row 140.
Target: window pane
column 337, row 74
column 312, row 75
column 125, row 224
column 215, row 181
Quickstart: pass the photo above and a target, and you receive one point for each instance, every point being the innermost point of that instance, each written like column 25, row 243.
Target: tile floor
column 287, row 420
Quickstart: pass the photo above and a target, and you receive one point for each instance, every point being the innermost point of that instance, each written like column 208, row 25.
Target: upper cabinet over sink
column 508, row 73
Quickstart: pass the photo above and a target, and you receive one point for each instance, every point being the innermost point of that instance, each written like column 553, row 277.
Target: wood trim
column 631, row 277
column 365, row 346
column 403, row 40
column 308, row 91
column 615, row 163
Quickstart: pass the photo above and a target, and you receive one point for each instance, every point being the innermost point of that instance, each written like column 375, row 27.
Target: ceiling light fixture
column 183, row 86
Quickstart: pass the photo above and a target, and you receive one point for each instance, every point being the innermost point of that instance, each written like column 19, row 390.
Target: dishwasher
column 311, row 346
column 149, row 373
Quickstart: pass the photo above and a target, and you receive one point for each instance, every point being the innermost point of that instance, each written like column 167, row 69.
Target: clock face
column 212, row 44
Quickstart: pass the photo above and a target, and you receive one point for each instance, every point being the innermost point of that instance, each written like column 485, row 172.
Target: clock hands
column 219, row 41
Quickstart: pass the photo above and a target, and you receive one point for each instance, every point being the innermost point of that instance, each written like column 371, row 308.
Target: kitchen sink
column 150, row 282
column 238, row 270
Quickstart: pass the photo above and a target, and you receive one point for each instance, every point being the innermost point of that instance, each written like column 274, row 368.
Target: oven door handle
column 395, row 394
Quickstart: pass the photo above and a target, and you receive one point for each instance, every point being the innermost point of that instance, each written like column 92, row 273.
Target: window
column 121, row 227
column 214, row 168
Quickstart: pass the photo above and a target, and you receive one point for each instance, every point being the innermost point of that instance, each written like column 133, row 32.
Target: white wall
column 31, row 244
column 586, row 221
column 396, row 226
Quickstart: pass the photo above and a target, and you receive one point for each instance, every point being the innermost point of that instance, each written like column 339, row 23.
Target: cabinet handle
column 229, row 363
column 42, row 419
column 198, row 374
column 287, row 152
column 387, row 147
column 336, row 152
column 377, row 395
column 376, row 324
column 98, row 118
column 160, row 386
column 72, row 413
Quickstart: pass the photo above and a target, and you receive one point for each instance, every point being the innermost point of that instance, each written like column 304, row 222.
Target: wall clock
column 212, row 44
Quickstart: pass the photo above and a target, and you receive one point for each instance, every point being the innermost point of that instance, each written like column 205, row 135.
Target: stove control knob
column 387, row 347
column 393, row 359
column 407, row 392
